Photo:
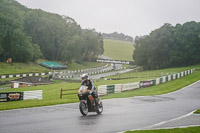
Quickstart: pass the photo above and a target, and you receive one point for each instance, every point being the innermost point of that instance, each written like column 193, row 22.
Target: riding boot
column 95, row 100
column 94, row 94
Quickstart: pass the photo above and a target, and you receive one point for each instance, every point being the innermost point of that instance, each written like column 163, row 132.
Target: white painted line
column 151, row 127
column 163, row 128
column 174, row 127
column 164, row 122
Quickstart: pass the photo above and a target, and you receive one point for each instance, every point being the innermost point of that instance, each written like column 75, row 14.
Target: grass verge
column 85, row 65
column 175, row 130
column 197, row 111
column 17, row 68
column 20, row 68
column 51, row 93
column 51, row 96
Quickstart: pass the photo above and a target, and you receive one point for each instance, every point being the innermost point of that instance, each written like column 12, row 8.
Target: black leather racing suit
column 91, row 87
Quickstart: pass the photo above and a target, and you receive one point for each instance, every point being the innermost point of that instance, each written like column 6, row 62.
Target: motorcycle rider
column 87, row 82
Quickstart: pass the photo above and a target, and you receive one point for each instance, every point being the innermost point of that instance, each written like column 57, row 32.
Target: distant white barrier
column 157, row 81
column 130, row 86
column 102, row 90
column 33, row 94
column 169, row 77
column 117, row 88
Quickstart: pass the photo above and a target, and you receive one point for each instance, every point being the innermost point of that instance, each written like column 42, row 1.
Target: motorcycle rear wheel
column 83, row 108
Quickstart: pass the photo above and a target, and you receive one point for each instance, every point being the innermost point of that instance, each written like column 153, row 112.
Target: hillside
column 118, row 50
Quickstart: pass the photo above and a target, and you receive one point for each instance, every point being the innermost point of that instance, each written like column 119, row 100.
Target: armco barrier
column 117, row 88
column 169, row 77
column 146, row 83
column 24, row 75
column 14, row 96
column 32, row 94
column 178, row 75
column 174, row 76
column 130, row 86
column 154, row 82
column 49, row 73
column 185, row 73
column 188, row 71
column 110, row 89
column 160, row 80
column 102, row 90
column 166, row 78
column 157, row 81
column 163, row 79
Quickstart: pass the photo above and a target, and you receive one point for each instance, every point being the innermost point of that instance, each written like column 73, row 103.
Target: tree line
column 169, row 46
column 27, row 35
column 117, row 36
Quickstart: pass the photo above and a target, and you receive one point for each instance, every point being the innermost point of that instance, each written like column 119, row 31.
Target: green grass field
column 16, row 68
column 118, row 50
column 20, row 68
column 85, row 65
column 197, row 112
column 51, row 93
column 176, row 130
column 51, row 96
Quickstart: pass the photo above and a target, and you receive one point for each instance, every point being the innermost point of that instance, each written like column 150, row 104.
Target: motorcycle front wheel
column 83, row 108
column 99, row 107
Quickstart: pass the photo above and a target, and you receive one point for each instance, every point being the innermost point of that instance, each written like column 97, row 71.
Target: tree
column 169, row 46
column 93, row 44
column 14, row 43
column 27, row 34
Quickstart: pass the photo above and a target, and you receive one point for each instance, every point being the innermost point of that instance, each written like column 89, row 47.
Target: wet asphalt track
column 118, row 115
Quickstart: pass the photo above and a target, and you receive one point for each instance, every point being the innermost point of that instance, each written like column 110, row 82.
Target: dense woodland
column 117, row 36
column 27, row 35
column 169, row 46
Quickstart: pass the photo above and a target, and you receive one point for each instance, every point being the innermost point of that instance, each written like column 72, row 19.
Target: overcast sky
column 131, row 17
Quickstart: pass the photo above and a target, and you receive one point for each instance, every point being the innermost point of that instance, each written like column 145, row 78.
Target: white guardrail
column 117, row 88
column 69, row 74
column 32, row 95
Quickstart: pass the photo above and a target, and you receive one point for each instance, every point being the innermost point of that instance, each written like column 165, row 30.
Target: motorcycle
column 87, row 102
